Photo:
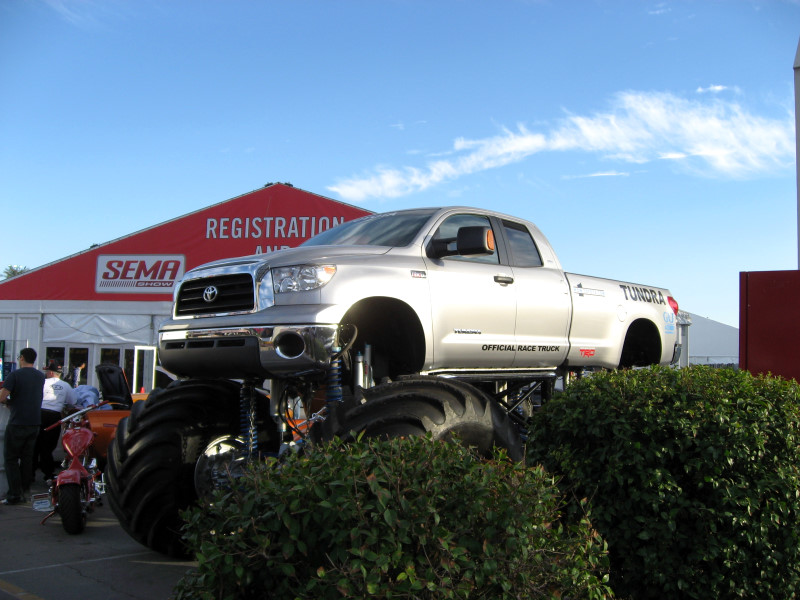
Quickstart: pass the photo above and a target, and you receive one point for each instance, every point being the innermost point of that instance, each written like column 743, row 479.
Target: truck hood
column 297, row 256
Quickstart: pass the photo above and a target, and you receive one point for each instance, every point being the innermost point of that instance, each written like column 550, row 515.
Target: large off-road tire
column 150, row 472
column 422, row 405
column 73, row 518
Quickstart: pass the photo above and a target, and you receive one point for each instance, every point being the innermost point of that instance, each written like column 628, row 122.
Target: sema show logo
column 138, row 273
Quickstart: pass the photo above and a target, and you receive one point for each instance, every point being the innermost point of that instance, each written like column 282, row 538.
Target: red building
column 105, row 304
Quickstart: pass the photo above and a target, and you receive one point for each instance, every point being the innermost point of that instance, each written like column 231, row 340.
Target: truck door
column 544, row 307
column 472, row 304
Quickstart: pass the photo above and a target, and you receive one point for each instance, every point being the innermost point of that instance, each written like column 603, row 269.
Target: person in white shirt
column 58, row 397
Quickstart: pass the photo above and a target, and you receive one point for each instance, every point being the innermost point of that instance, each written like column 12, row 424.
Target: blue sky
column 651, row 141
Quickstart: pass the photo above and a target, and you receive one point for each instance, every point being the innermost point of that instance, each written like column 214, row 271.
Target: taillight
column 673, row 304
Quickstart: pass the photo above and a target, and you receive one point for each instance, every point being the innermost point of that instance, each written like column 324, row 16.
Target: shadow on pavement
column 44, row 562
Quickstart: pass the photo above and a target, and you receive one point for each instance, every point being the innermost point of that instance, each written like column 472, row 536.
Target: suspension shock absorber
column 334, row 393
column 247, row 417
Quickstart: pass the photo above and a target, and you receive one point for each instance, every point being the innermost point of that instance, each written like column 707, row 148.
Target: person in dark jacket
column 22, row 393
column 73, row 376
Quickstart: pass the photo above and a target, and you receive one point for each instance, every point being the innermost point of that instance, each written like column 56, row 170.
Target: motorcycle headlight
column 301, row 278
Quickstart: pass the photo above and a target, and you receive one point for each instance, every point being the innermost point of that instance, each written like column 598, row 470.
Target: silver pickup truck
column 448, row 321
column 427, row 290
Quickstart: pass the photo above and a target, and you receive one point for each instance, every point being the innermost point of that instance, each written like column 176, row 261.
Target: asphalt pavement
column 43, row 562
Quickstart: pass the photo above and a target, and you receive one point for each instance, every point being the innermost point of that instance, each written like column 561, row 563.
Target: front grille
column 234, row 293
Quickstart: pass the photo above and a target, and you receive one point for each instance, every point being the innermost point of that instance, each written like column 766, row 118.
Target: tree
column 13, row 271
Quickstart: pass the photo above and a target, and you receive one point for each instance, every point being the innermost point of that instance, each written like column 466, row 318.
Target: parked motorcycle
column 79, row 487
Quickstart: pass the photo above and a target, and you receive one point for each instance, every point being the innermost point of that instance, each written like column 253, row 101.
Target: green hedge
column 405, row 518
column 691, row 475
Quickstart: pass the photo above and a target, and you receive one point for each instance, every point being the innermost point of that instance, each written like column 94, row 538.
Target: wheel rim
column 222, row 459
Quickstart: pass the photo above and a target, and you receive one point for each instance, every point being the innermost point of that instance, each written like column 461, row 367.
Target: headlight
column 266, row 297
column 300, row 278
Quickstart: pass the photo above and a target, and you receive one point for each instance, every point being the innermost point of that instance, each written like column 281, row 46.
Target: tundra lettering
column 643, row 294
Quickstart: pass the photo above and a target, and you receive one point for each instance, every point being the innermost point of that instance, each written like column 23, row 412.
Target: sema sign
column 138, row 273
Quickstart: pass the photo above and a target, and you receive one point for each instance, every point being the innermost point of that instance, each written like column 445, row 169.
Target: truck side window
column 448, row 230
column 523, row 249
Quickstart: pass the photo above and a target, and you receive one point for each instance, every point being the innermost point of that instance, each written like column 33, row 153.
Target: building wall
column 768, row 323
column 67, row 331
column 712, row 343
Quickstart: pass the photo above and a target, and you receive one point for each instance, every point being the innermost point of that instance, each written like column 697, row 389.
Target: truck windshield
column 387, row 229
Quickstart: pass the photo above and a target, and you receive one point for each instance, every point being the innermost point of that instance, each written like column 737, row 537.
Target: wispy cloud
column 659, row 9
column 90, row 14
column 600, row 174
column 714, row 89
column 712, row 137
column 65, row 10
column 718, row 89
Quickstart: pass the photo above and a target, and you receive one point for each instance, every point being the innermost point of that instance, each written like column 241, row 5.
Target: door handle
column 504, row 279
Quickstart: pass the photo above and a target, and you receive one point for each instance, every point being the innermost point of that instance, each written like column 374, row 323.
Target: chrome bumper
column 238, row 352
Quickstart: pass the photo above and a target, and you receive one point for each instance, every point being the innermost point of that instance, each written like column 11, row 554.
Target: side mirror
column 475, row 240
column 469, row 241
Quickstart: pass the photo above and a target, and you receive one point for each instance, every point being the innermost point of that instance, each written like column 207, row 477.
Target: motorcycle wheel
column 444, row 408
column 151, row 461
column 73, row 517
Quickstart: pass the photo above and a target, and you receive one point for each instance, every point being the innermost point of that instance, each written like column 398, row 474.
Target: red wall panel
column 769, row 322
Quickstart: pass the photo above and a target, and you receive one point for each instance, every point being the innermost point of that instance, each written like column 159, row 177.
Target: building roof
column 143, row 266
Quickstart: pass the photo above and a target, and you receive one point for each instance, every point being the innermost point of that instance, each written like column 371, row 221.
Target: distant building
column 712, row 343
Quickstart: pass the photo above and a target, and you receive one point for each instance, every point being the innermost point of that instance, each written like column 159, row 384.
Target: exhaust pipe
column 290, row 345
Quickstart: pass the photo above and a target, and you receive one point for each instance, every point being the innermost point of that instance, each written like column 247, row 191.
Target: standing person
column 74, row 375
column 22, row 392
column 57, row 396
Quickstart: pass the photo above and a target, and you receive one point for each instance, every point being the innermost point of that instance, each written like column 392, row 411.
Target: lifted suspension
column 247, row 417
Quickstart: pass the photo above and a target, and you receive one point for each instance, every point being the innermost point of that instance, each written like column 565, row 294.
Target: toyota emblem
column 210, row 293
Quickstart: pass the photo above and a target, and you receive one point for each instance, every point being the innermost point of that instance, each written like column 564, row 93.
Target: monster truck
column 448, row 321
